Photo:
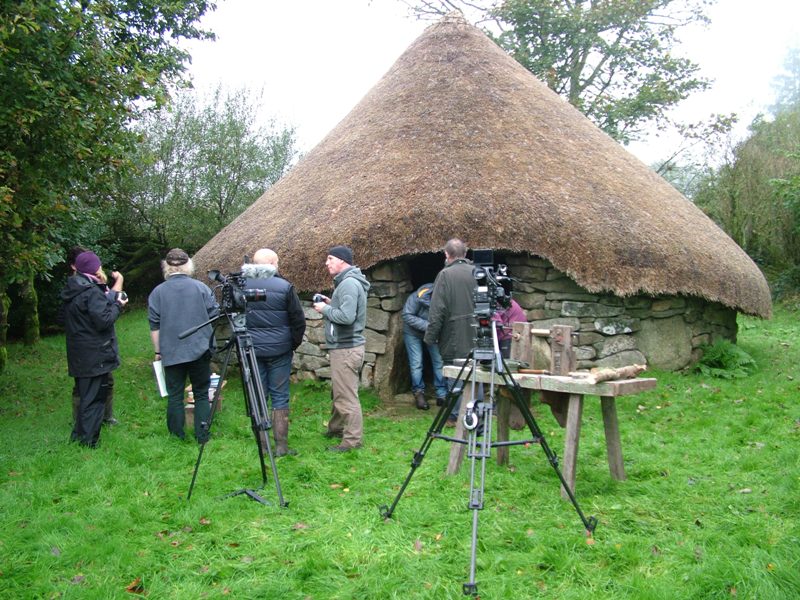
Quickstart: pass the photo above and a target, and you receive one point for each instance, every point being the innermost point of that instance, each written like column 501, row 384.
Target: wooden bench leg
column 572, row 439
column 613, row 443
column 503, row 403
column 457, row 450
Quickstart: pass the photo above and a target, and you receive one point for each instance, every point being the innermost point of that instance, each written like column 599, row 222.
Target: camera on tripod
column 492, row 286
column 234, row 295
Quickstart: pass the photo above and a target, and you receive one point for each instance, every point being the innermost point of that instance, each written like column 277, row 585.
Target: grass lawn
column 710, row 509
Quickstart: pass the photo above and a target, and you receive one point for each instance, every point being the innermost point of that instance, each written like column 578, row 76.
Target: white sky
column 315, row 59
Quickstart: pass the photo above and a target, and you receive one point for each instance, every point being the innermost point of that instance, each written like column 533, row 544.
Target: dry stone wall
column 663, row 332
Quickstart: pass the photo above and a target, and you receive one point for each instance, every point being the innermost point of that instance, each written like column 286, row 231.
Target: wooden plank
column 569, row 385
column 503, row 402
column 571, row 442
column 613, row 442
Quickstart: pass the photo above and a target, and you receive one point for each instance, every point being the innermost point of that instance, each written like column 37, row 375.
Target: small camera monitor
column 483, row 257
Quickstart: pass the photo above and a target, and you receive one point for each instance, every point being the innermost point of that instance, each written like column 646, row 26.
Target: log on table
column 597, row 375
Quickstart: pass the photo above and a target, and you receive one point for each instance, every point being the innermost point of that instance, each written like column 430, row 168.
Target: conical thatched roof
column 459, row 140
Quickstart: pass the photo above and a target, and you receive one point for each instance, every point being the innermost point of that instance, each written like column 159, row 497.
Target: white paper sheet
column 161, row 381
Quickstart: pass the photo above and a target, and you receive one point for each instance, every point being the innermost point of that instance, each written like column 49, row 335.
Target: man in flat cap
column 174, row 306
column 344, row 316
column 92, row 351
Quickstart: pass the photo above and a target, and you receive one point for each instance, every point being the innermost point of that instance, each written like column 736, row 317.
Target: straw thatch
column 458, row 139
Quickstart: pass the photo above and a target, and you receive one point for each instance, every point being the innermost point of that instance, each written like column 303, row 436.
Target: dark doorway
column 423, row 268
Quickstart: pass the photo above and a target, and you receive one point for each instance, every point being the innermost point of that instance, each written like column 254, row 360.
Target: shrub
column 726, row 360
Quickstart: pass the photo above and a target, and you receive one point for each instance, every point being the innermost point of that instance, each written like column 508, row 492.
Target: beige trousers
column 346, row 415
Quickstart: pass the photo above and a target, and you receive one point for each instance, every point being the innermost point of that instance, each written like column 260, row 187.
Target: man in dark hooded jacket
column 276, row 324
column 92, row 351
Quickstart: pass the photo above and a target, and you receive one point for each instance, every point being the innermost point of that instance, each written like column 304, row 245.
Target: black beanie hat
column 342, row 252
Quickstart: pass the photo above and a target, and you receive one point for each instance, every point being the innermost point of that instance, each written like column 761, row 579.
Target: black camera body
column 492, row 286
column 492, row 290
column 234, row 295
column 317, row 298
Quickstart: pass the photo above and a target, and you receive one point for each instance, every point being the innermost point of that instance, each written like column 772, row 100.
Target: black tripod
column 255, row 402
column 478, row 422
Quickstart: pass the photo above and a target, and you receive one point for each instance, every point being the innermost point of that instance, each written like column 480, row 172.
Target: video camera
column 234, row 295
column 492, row 287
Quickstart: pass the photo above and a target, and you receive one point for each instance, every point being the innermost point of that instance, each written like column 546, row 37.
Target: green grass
column 710, row 508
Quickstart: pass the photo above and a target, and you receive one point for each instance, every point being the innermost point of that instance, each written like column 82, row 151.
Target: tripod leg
column 479, row 452
column 257, row 409
column 206, row 427
column 434, row 431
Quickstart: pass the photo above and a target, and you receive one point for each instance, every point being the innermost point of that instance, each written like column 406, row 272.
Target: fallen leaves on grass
column 135, row 586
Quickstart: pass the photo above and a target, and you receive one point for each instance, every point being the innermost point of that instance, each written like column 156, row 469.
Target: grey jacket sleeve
column 343, row 308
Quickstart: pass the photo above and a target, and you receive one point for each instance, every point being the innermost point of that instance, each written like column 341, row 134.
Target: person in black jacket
column 92, row 351
column 276, row 326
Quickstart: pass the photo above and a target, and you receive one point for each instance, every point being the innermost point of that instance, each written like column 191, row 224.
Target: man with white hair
column 276, row 326
column 179, row 304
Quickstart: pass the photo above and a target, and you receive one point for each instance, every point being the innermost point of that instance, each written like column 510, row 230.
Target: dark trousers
column 91, row 410
column 199, row 373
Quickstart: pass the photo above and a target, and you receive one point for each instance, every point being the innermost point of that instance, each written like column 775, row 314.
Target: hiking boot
column 342, row 448
column 280, row 430
column 420, row 402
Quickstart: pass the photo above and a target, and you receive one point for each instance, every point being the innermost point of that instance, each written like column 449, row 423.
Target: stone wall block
column 667, row 343
column 376, row 342
column 539, row 314
column 323, row 373
column 572, row 296
column 373, row 301
column 310, row 314
column 315, row 335
column 663, row 314
column 585, row 353
column 392, row 304
column 307, row 347
column 384, row 289
column 312, row 363
column 377, row 319
column 589, row 338
column 548, row 323
column 617, row 344
column 622, row 359
column 616, row 326
column 637, row 301
column 586, row 309
column 530, row 301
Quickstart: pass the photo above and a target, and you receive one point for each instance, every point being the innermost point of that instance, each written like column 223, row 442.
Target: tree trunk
column 30, row 310
column 5, row 303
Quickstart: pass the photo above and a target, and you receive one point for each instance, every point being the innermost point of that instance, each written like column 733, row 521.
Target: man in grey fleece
column 344, row 317
column 174, row 306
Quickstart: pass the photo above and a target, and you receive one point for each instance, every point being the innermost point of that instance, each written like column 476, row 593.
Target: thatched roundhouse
column 458, row 139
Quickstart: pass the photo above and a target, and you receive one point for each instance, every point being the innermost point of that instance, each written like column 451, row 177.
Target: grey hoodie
column 346, row 315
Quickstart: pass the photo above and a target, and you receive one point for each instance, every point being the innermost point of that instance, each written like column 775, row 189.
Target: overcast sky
column 315, row 59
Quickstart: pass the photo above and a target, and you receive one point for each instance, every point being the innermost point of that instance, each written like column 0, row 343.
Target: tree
column 206, row 158
column 754, row 196
column 73, row 74
column 614, row 61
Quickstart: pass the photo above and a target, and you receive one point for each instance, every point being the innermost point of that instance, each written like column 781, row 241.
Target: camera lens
column 122, row 296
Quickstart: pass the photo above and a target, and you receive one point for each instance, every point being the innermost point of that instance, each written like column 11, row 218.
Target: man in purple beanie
column 92, row 351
